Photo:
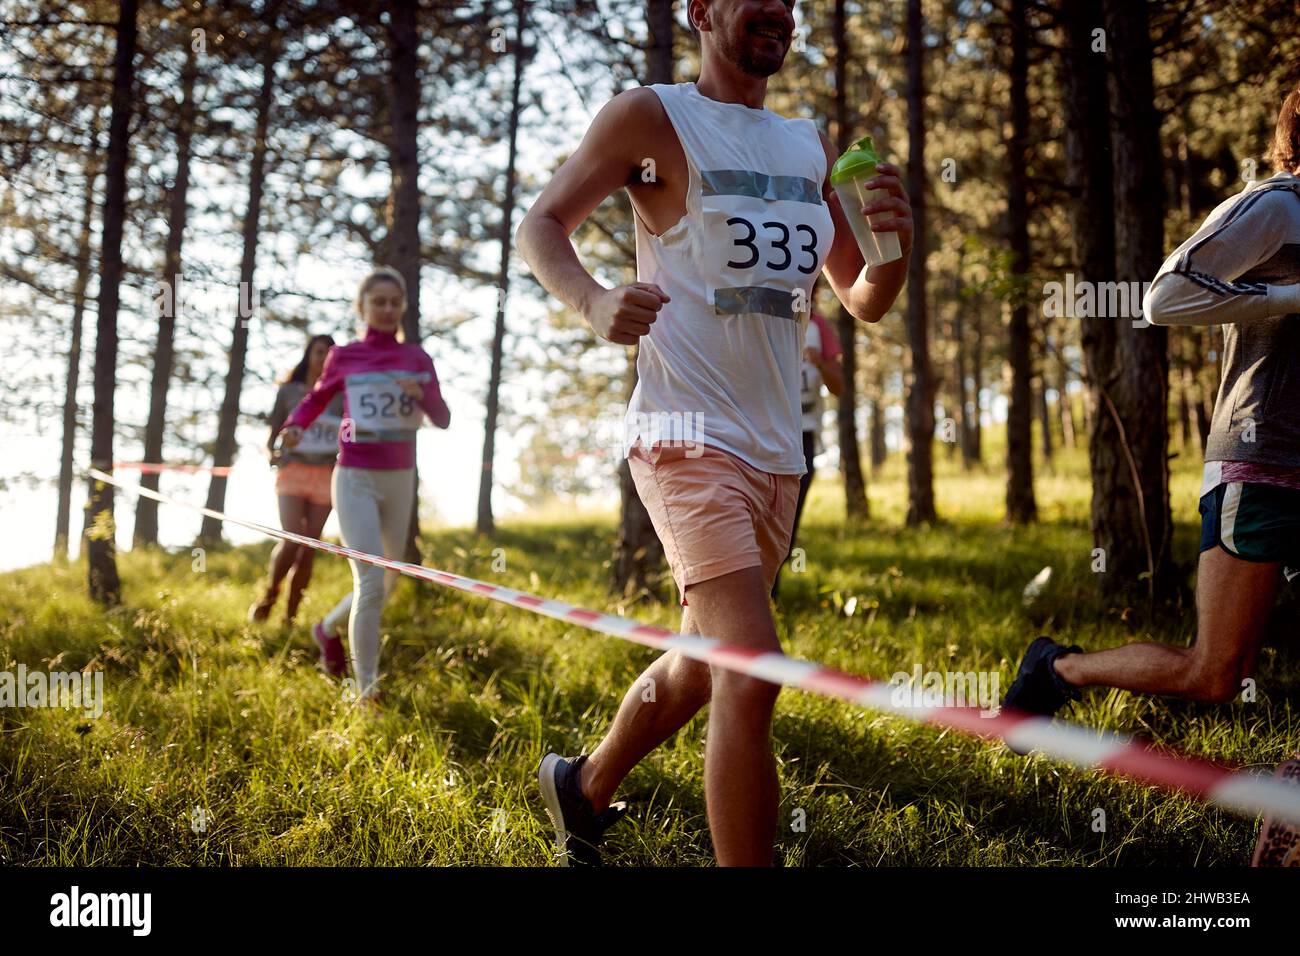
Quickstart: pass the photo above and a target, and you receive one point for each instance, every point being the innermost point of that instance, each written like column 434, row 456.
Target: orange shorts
column 297, row 479
column 713, row 512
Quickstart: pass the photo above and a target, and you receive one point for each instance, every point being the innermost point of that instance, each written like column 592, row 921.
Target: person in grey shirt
column 302, row 481
column 1240, row 270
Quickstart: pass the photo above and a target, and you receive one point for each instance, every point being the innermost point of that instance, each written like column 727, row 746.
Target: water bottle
column 855, row 167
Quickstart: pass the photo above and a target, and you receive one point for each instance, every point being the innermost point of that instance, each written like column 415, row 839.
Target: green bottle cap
column 858, row 162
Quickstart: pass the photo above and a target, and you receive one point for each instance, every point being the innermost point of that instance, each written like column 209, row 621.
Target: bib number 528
column 780, row 242
column 381, row 406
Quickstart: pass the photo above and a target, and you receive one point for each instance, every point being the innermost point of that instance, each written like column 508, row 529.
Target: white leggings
column 374, row 509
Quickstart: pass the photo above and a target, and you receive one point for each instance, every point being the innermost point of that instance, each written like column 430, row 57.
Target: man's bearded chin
column 742, row 56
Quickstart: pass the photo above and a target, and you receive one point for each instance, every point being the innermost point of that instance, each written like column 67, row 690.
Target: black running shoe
column 578, row 828
column 1038, row 689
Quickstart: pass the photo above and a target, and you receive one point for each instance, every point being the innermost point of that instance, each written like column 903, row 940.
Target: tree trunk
column 1088, row 407
column 856, row 506
column 146, row 509
column 948, row 392
column 1182, row 374
column 638, row 553
column 1021, row 506
column 920, row 390
column 1140, row 397
column 403, row 245
column 962, row 339
column 1064, row 405
column 486, row 523
column 224, row 451
column 977, row 386
column 879, row 449
column 1092, row 231
column 1044, row 416
column 100, row 533
column 963, row 384
column 659, row 55
column 1184, row 169
column 64, row 514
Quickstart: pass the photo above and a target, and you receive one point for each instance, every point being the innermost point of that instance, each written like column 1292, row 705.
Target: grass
column 221, row 744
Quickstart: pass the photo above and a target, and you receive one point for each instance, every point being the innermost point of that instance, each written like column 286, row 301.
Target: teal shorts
column 1254, row 522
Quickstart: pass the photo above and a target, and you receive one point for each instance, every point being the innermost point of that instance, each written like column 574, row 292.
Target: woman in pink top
column 388, row 387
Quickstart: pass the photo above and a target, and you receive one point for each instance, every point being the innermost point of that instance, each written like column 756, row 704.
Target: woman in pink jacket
column 388, row 387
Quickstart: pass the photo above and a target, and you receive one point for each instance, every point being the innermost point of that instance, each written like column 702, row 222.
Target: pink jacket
column 346, row 368
column 831, row 347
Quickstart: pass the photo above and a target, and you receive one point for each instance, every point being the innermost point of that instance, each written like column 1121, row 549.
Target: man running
column 734, row 219
column 1241, row 270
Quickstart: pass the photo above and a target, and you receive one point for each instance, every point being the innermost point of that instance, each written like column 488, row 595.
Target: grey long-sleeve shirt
column 286, row 399
column 1241, row 270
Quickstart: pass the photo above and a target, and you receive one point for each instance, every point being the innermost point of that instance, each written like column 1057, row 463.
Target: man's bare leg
column 740, row 780
column 1233, row 600
column 658, row 704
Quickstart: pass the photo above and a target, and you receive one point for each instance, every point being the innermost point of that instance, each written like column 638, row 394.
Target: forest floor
column 220, row 742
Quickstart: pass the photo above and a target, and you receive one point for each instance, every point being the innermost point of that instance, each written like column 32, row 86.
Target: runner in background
column 822, row 365
column 388, row 387
column 302, row 481
column 1240, row 270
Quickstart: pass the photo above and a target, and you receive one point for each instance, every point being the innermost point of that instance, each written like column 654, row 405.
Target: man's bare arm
column 603, row 163
column 868, row 294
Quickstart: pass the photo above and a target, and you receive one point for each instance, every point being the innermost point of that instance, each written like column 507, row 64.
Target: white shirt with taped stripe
column 721, row 364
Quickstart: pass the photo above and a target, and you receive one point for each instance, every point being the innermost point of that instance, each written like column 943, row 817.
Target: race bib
column 380, row 410
column 321, row 437
column 766, row 238
column 810, row 379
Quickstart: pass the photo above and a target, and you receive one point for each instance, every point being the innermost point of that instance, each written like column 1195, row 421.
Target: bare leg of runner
column 740, row 780
column 313, row 523
column 1233, row 600
column 292, row 512
column 659, row 703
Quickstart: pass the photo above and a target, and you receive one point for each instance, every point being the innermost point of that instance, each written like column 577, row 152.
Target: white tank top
column 721, row 365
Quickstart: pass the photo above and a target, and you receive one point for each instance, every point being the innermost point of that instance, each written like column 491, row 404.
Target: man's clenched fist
column 625, row 313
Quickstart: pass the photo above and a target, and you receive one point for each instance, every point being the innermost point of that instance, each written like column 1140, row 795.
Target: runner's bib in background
column 380, row 410
column 321, row 437
column 810, row 389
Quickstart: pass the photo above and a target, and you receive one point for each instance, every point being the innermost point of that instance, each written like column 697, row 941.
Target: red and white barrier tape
column 1246, row 793
column 155, row 468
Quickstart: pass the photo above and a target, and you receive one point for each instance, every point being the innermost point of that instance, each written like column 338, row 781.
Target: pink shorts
column 713, row 512
column 297, row 479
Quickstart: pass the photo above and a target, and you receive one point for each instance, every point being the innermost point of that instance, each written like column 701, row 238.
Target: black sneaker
column 1038, row 689
column 578, row 828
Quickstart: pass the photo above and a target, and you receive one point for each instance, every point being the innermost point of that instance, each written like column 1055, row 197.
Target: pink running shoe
column 332, row 659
